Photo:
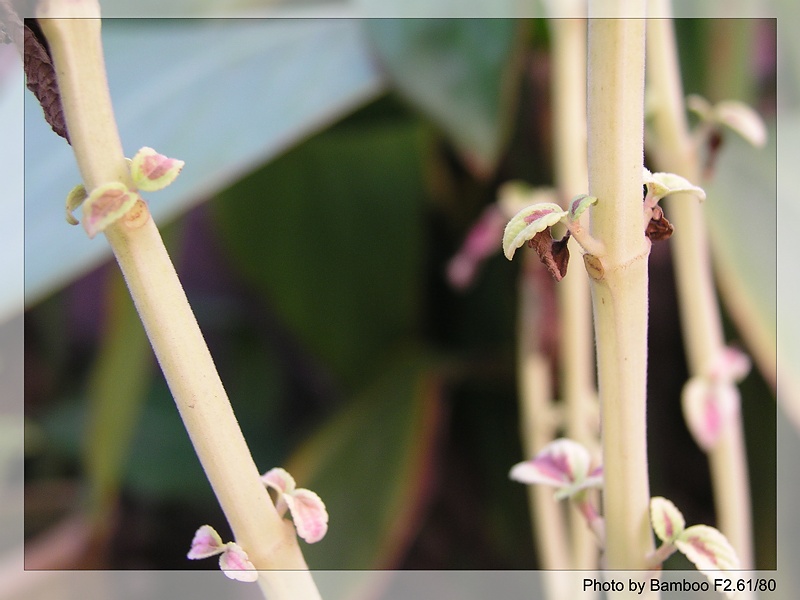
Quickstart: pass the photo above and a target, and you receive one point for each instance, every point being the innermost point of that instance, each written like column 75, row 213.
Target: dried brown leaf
column 41, row 78
column 553, row 254
column 658, row 228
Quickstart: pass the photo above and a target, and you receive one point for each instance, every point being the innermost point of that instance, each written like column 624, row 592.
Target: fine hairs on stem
column 269, row 540
column 616, row 49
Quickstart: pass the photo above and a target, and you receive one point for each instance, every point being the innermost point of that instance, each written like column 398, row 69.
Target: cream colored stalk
column 616, row 50
column 700, row 315
column 269, row 540
column 576, row 354
column 539, row 422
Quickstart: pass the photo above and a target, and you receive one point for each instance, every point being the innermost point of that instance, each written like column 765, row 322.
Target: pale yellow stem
column 701, row 322
column 576, row 343
column 619, row 281
column 538, row 425
column 269, row 540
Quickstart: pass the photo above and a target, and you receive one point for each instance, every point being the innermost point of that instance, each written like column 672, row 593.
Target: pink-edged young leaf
column 480, row 244
column 527, row 223
column 309, row 514
column 564, row 464
column 579, row 204
column 707, row 549
column 709, row 407
column 75, row 198
column 731, row 364
column 206, row 542
column 667, row 520
column 279, row 480
column 308, row 511
column 152, row 171
column 236, row 565
column 105, row 205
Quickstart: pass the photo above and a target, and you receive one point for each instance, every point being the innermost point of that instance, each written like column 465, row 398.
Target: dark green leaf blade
column 462, row 73
column 331, row 234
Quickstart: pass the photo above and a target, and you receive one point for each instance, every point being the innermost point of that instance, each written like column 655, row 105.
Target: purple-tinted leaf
column 279, row 480
column 105, row 205
column 152, row 171
column 731, row 364
column 527, row 223
column 309, row 515
column 707, row 549
column 667, row 520
column 563, row 464
column 579, row 204
column 481, row 243
column 236, row 565
column 709, row 407
column 206, row 542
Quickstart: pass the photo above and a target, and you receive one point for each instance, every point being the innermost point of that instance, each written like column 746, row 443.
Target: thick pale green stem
column 268, row 539
column 700, row 315
column 619, row 280
column 576, row 354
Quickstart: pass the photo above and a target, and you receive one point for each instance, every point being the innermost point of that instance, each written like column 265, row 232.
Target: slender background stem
column 538, row 428
column 700, row 314
column 576, row 356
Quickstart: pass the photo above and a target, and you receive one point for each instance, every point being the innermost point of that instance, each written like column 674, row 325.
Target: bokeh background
column 333, row 168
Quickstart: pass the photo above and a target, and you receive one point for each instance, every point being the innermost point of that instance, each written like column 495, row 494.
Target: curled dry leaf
column 659, row 228
column 554, row 254
column 41, row 78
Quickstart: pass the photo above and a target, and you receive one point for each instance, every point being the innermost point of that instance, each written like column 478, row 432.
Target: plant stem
column 574, row 301
column 270, row 542
column 538, row 421
column 700, row 315
column 616, row 50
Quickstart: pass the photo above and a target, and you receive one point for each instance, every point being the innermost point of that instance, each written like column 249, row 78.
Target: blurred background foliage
column 318, row 279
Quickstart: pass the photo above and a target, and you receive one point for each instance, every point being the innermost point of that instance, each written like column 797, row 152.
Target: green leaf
column 369, row 464
column 462, row 73
column 231, row 95
column 332, row 235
